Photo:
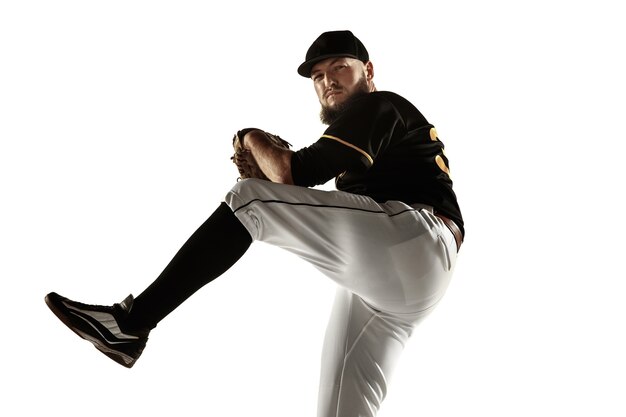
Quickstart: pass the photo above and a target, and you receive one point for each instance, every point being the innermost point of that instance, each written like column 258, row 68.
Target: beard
column 328, row 115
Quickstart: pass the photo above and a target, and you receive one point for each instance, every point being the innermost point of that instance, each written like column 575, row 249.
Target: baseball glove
column 243, row 159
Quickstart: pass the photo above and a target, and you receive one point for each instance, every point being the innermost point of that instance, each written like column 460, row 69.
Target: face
column 337, row 79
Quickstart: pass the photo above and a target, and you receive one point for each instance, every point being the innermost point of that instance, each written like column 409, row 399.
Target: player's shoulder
column 384, row 104
column 387, row 95
column 405, row 108
column 392, row 98
column 381, row 97
column 387, row 99
column 380, row 101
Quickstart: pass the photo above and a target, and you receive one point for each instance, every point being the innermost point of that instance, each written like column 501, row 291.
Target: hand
column 263, row 144
column 246, row 164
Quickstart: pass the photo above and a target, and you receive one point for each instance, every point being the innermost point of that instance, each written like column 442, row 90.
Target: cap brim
column 307, row 66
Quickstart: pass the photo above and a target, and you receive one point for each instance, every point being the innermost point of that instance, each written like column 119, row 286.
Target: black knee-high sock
column 208, row 253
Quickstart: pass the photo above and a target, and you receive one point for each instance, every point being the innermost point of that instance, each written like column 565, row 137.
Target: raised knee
column 244, row 191
column 247, row 184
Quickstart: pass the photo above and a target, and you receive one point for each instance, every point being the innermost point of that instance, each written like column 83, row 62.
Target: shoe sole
column 119, row 357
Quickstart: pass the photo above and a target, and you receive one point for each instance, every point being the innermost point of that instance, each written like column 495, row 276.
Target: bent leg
column 396, row 258
column 392, row 262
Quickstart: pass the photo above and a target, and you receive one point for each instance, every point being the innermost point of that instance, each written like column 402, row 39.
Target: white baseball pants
column 392, row 264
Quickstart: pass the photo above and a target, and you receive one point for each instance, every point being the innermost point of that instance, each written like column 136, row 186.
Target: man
column 388, row 237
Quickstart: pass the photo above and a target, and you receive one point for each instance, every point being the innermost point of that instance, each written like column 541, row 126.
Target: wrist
column 253, row 138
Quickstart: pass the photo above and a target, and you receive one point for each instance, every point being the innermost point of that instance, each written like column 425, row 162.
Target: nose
column 329, row 82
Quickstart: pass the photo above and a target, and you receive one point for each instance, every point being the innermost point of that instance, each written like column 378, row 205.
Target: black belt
column 458, row 236
column 450, row 224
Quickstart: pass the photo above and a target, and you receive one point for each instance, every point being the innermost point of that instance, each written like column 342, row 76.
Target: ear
column 369, row 70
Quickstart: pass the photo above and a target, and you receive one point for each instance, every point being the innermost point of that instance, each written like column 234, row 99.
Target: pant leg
column 392, row 263
column 396, row 258
column 361, row 349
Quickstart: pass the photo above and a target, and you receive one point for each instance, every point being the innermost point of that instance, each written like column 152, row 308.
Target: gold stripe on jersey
column 356, row 148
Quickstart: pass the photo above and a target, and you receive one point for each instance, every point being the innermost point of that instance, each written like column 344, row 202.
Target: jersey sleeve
column 351, row 143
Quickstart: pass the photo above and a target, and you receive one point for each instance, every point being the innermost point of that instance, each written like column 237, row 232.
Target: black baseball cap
column 333, row 44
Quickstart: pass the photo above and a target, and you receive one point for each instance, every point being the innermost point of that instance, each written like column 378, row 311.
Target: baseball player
column 388, row 236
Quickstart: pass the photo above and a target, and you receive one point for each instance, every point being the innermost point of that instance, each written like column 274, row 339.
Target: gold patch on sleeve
column 433, row 134
column 441, row 164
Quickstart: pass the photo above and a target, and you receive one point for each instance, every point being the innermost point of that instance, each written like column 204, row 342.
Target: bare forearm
column 275, row 162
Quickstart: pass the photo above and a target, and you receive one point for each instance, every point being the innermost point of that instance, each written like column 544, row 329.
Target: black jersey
column 383, row 147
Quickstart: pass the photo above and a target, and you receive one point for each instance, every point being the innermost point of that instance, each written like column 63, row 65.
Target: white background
column 115, row 122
